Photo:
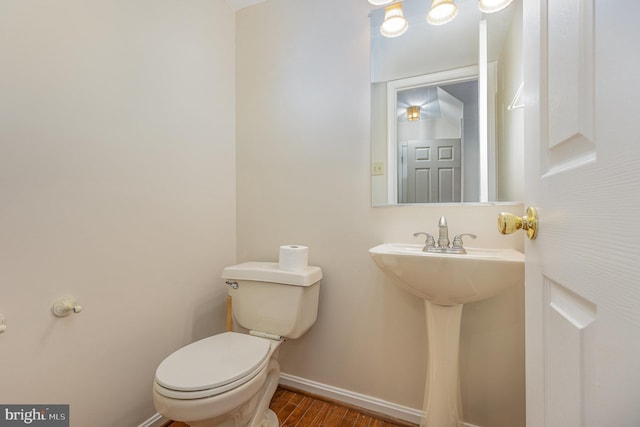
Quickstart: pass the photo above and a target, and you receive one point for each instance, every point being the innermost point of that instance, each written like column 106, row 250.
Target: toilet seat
column 212, row 366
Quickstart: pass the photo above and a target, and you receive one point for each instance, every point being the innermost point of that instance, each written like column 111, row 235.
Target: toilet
column 228, row 380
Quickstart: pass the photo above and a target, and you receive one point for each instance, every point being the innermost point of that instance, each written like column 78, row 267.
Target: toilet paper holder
column 64, row 306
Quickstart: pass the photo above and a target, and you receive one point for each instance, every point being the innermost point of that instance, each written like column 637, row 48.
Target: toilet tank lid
column 271, row 272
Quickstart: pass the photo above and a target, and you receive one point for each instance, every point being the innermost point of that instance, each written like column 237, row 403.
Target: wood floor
column 298, row 409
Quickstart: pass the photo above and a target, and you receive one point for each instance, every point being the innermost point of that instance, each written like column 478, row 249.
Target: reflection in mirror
column 442, row 136
column 429, row 137
column 463, row 76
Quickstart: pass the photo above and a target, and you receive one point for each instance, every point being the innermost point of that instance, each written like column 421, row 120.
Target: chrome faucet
column 443, row 245
column 443, row 233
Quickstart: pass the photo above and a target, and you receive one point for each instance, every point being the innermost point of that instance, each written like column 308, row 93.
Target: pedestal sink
column 445, row 282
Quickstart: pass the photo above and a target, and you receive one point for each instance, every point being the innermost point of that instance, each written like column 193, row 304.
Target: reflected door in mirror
column 430, row 171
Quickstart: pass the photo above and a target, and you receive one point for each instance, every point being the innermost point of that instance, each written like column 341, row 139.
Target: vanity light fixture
column 441, row 12
column 490, row 6
column 413, row 113
column 394, row 24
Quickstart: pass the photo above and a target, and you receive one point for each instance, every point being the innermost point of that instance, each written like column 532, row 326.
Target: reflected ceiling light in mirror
column 413, row 113
column 490, row 6
column 441, row 12
column 380, row 2
column 394, row 23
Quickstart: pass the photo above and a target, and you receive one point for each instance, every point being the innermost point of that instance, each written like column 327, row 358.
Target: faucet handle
column 430, row 242
column 457, row 241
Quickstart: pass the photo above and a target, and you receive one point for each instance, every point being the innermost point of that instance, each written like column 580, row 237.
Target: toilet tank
column 272, row 300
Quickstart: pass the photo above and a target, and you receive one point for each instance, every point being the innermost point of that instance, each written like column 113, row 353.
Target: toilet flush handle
column 234, row 285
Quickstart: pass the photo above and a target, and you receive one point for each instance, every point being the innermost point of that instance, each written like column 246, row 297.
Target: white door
column 582, row 165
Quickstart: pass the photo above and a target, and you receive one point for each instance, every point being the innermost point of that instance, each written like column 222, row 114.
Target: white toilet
column 228, row 380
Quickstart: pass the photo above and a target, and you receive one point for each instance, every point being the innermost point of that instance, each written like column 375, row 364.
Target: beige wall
column 303, row 177
column 117, row 186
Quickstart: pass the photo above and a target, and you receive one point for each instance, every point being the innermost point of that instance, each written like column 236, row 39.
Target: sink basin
column 448, row 279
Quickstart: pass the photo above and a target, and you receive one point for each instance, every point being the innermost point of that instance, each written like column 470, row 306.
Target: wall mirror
column 446, row 118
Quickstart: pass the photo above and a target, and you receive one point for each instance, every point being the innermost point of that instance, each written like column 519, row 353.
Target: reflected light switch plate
column 377, row 168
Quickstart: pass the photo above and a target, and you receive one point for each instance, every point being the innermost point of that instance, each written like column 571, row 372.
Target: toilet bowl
column 228, row 379
column 219, row 381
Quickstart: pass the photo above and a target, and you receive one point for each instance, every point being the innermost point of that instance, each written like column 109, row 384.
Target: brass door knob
column 509, row 223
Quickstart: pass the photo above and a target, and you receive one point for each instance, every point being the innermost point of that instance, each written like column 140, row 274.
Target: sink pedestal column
column 442, row 404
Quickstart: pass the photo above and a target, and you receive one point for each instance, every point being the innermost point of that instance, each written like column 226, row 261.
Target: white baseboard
column 356, row 399
column 155, row 421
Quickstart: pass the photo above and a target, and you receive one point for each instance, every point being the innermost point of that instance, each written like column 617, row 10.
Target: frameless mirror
column 447, row 126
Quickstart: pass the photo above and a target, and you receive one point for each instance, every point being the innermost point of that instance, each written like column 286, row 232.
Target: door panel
column 433, row 170
column 570, row 91
column 568, row 317
column 582, row 172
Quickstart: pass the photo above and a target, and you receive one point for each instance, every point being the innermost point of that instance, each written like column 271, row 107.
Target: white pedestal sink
column 446, row 282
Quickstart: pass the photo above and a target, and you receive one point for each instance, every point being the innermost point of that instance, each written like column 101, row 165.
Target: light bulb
column 394, row 23
column 441, row 12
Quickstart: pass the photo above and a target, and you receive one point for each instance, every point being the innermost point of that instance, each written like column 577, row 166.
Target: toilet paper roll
column 293, row 258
